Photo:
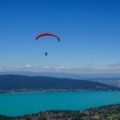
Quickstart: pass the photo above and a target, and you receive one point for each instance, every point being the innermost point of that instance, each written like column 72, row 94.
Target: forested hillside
column 23, row 83
column 111, row 112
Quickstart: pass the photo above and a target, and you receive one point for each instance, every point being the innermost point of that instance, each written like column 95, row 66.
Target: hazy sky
column 89, row 31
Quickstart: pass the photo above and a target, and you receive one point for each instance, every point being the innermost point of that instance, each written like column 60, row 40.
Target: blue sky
column 89, row 31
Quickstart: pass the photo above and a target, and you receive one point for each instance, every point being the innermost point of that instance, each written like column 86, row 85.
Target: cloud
column 113, row 68
column 28, row 65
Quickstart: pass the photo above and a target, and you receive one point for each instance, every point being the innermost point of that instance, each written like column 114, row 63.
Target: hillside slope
column 111, row 112
column 19, row 83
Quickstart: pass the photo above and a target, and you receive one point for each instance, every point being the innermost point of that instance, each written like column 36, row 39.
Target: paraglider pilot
column 46, row 53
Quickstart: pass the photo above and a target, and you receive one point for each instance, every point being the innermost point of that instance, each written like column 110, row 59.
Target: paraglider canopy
column 47, row 34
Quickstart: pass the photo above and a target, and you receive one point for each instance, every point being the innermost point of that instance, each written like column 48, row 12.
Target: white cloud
column 28, row 65
column 114, row 68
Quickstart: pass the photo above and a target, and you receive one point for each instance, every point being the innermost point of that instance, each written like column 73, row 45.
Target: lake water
column 27, row 103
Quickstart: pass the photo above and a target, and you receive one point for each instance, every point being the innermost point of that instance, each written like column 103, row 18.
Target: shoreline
column 49, row 90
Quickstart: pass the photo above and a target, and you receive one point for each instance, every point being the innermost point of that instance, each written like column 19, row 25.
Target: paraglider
column 47, row 34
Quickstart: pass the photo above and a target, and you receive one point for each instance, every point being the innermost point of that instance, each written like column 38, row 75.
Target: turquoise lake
column 27, row 103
